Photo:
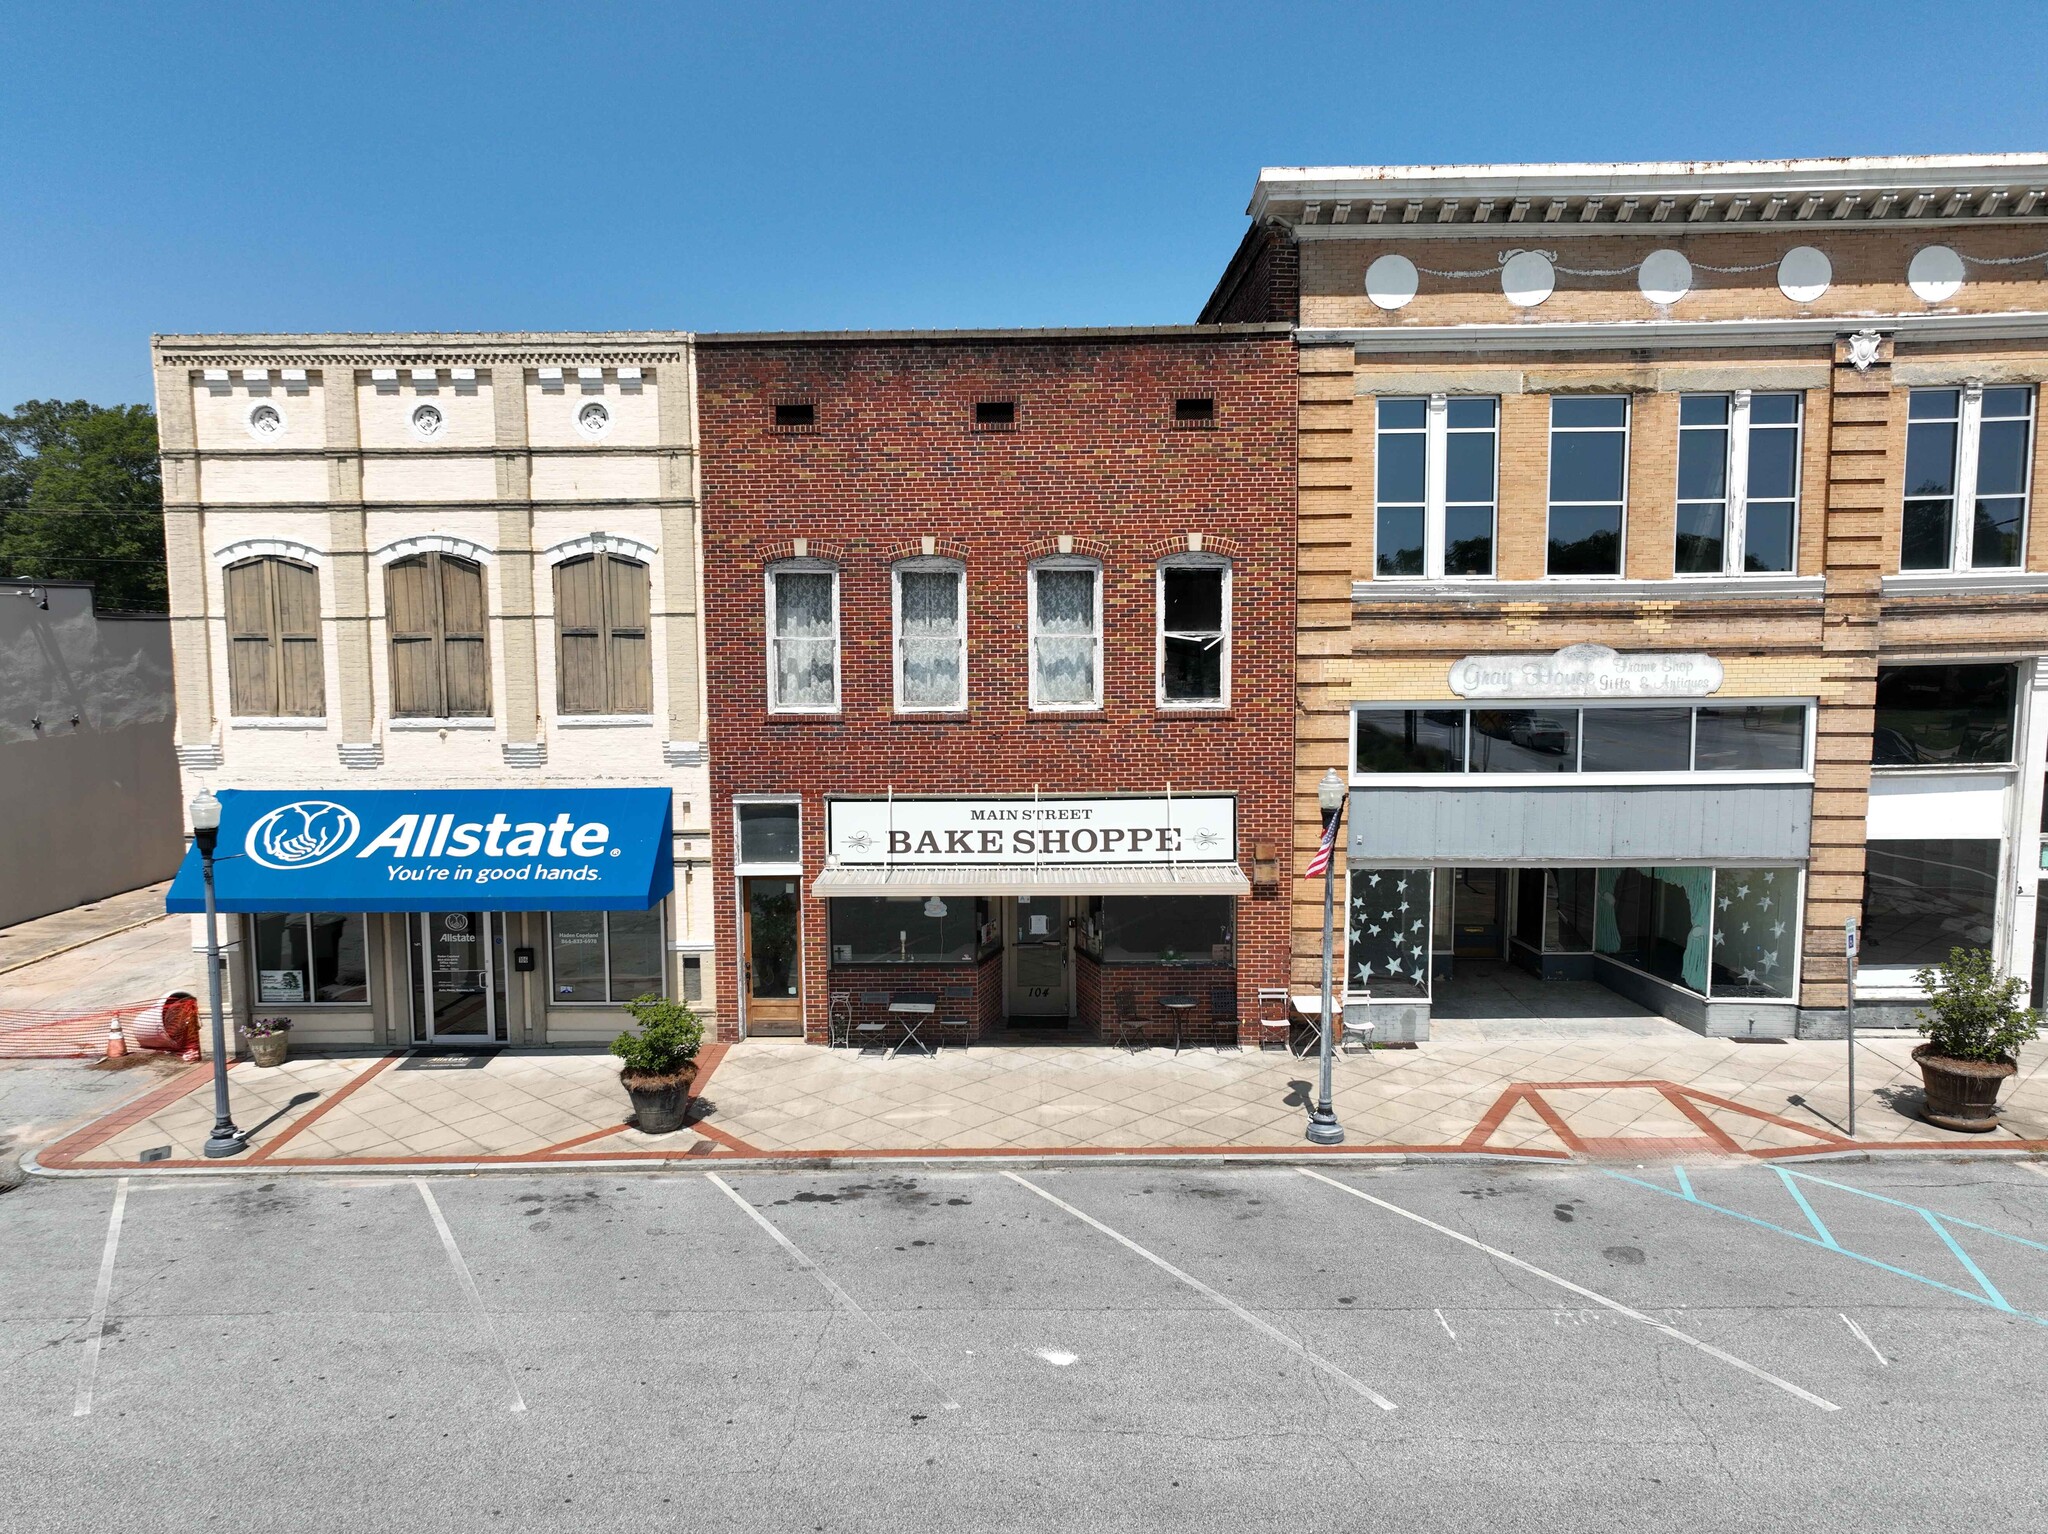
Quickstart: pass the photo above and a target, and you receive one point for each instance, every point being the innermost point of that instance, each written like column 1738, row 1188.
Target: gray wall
column 91, row 809
column 1637, row 824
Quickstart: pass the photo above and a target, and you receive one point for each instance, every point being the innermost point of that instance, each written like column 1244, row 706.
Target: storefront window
column 1387, row 931
column 1944, row 716
column 1411, row 740
column 768, row 833
column 1169, row 929
column 1922, row 898
column 1656, row 920
column 1637, row 739
column 1756, row 930
column 1758, row 738
column 604, row 957
column 1568, row 899
column 1524, row 740
column 310, row 958
column 932, row 930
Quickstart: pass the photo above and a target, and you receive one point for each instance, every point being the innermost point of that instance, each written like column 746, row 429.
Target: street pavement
column 1715, row 1345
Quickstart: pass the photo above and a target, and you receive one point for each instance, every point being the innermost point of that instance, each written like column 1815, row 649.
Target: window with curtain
column 803, row 661
column 273, row 613
column 434, row 607
column 1066, row 636
column 603, row 660
column 1194, row 633
column 931, row 636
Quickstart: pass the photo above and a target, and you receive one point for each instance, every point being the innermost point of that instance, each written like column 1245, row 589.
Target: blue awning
column 467, row 849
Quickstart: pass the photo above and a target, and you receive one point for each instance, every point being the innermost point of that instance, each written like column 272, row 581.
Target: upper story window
column 1738, row 483
column 1066, row 634
column 1981, row 438
column 1588, row 483
column 274, row 666
column 1945, row 716
column 1621, row 739
column 440, row 667
column 803, row 639
column 1436, row 476
column 603, row 657
column 1194, row 632
column 931, row 635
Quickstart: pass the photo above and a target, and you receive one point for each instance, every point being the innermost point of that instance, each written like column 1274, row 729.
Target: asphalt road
column 1467, row 1347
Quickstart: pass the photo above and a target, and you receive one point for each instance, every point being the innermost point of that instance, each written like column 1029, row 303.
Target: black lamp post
column 226, row 1140
column 1323, row 1128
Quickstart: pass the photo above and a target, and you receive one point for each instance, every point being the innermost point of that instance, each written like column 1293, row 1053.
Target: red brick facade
column 1095, row 456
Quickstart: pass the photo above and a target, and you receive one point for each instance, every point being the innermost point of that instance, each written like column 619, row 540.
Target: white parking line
column 840, row 1297
column 476, row 1300
column 1579, row 1289
column 1440, row 1321
column 89, row 1359
column 1211, row 1295
column 1864, row 1338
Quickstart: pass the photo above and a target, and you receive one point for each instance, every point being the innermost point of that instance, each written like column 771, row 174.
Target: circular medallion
column 1528, row 278
column 594, row 419
column 1390, row 281
column 1936, row 274
column 428, row 422
column 1804, row 274
column 1665, row 276
column 265, row 421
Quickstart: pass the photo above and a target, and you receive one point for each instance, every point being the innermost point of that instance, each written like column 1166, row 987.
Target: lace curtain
column 805, row 645
column 931, row 638
column 1065, row 646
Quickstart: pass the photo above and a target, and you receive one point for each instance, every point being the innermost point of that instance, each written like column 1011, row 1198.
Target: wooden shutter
column 580, row 683
column 273, row 612
column 252, row 640
column 411, row 611
column 631, row 663
column 301, row 691
column 465, row 651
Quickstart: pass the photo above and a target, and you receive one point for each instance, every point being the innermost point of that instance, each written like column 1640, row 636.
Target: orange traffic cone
column 117, row 1045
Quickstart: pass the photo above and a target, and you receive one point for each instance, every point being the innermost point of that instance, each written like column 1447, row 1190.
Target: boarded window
column 603, row 658
column 440, row 668
column 273, row 610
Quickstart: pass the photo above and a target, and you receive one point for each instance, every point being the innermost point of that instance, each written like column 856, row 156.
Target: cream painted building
column 414, row 564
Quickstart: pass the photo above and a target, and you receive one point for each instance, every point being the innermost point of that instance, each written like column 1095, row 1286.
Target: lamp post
column 226, row 1140
column 1323, row 1128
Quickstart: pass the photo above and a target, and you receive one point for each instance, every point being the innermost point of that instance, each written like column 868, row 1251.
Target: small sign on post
column 1849, row 942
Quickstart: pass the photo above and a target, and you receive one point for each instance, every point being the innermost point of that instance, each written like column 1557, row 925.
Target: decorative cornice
column 1595, row 335
column 424, row 348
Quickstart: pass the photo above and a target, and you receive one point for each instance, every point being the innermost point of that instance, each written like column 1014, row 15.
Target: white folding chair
column 1273, row 998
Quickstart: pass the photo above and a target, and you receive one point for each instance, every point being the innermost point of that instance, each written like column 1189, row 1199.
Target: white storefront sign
column 1586, row 671
column 898, row 832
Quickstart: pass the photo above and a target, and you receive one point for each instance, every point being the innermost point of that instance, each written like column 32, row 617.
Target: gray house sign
column 1586, row 671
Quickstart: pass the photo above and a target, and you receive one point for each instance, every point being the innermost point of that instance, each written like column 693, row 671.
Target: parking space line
column 1210, row 1294
column 1579, row 1289
column 840, row 1297
column 89, row 1358
column 1864, row 1338
column 476, row 1299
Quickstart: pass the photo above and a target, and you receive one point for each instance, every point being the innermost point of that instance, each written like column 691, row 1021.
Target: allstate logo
column 301, row 835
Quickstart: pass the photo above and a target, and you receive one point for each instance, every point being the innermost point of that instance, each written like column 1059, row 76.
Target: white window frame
column 1436, row 472
column 1062, row 562
column 1735, row 481
column 1628, row 431
column 801, row 567
column 1963, row 510
column 925, row 565
column 1159, row 631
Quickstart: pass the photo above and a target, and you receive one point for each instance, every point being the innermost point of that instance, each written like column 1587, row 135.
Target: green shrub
column 1973, row 1012
column 668, row 1038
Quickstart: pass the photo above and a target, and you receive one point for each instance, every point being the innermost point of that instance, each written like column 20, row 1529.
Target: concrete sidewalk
column 1584, row 1093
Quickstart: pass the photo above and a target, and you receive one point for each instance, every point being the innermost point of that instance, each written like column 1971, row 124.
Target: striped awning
column 1023, row 879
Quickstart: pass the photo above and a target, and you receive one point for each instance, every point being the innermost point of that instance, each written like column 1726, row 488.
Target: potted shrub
column 1974, row 1025
column 269, row 1040
column 661, row 1061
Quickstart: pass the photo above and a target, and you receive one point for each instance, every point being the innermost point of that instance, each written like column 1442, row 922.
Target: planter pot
column 1962, row 1094
column 659, row 1102
column 268, row 1049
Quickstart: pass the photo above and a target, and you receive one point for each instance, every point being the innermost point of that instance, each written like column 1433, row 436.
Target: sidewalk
column 1586, row 1092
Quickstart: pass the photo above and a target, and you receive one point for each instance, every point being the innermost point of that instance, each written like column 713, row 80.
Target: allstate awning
column 1023, row 879
column 457, row 849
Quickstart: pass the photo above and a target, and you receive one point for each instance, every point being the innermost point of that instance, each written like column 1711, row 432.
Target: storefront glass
column 1945, row 716
column 1563, row 738
column 317, row 957
column 768, row 833
column 1524, row 740
column 1769, row 737
column 1388, row 931
column 1756, row 931
column 1922, row 898
column 1637, row 739
column 1168, row 929
column 1656, row 920
column 908, row 931
column 604, row 957
column 1411, row 740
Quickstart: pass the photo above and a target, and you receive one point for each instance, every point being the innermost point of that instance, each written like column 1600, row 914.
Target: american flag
column 1321, row 860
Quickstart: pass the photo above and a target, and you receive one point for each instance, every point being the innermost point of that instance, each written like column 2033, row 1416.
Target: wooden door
column 773, row 977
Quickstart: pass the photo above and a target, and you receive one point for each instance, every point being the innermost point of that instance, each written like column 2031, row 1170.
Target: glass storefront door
column 1038, row 964
column 773, row 968
column 456, row 966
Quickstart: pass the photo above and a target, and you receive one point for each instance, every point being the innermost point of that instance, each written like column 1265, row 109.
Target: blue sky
column 595, row 166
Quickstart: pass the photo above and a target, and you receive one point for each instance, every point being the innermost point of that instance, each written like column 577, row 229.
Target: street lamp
column 1323, row 1128
column 226, row 1140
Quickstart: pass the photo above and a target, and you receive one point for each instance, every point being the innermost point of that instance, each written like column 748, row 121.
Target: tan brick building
column 1763, row 435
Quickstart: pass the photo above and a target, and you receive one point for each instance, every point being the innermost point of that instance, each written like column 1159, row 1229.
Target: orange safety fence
column 169, row 1024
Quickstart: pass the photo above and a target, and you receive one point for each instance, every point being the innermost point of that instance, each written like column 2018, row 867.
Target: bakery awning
column 1024, row 879
column 457, row 849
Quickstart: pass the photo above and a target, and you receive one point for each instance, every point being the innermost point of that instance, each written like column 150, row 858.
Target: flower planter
column 1962, row 1094
column 660, row 1103
column 268, row 1049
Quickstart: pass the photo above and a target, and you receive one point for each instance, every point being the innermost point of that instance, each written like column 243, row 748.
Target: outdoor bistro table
column 915, row 1008
column 1178, row 1007
column 1310, row 1005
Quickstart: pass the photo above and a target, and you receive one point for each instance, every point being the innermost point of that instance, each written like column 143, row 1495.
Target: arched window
column 440, row 660
column 273, row 613
column 603, row 661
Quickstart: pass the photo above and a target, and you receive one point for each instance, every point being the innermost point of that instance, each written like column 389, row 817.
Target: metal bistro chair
column 1128, row 1024
column 1223, row 1013
column 839, row 1021
column 873, row 1036
column 955, row 1026
column 1274, row 998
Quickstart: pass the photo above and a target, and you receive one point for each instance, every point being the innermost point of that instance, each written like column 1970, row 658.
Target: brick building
column 1669, row 588
column 1000, row 629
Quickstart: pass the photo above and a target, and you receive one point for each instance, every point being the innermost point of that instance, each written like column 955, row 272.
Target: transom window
column 1436, row 486
column 1568, row 738
column 1981, row 438
column 1588, row 483
column 1738, row 483
column 1066, row 635
column 1194, row 632
column 931, row 636
column 803, row 628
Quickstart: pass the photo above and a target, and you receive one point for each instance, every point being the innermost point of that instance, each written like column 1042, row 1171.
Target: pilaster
column 677, row 403
column 346, row 541
column 519, row 692
column 198, row 742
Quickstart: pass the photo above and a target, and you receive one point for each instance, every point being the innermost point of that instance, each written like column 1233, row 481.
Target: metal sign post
column 1849, row 1013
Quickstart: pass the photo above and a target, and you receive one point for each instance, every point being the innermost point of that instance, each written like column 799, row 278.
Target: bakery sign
column 1198, row 828
column 1587, row 671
